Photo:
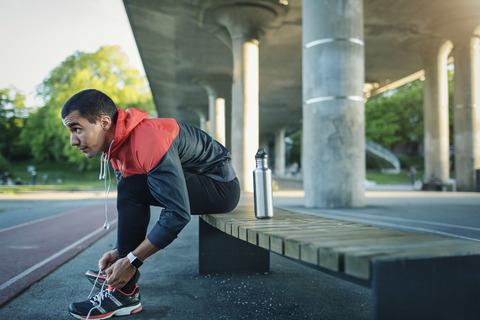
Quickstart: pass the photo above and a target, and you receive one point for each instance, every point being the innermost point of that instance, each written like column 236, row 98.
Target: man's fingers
column 113, row 280
column 107, row 259
column 108, row 271
column 103, row 264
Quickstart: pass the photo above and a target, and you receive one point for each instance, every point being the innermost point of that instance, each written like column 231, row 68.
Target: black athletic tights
column 134, row 200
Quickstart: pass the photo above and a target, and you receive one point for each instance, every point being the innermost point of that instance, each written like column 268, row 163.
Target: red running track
column 34, row 249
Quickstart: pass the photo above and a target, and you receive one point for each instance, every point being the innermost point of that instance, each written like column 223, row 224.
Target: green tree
column 106, row 70
column 296, row 147
column 396, row 118
column 12, row 117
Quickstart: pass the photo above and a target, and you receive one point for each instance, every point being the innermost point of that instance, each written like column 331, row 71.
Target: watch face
column 136, row 262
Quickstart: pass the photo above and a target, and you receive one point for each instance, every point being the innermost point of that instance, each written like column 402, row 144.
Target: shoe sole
column 120, row 312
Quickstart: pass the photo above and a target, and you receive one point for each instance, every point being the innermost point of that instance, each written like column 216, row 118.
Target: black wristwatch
column 134, row 261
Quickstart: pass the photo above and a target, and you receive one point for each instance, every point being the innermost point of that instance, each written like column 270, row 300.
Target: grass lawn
column 59, row 176
column 392, row 179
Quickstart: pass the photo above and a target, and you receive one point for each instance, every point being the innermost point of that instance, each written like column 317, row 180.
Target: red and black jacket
column 163, row 149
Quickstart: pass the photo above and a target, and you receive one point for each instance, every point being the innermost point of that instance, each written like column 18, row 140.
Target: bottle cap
column 261, row 154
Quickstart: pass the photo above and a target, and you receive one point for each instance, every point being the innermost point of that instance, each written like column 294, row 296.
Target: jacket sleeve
column 167, row 184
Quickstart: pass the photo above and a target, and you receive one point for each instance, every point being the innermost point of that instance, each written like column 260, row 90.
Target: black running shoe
column 95, row 278
column 107, row 304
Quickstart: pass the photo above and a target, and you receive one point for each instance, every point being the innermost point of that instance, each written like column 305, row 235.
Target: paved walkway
column 172, row 289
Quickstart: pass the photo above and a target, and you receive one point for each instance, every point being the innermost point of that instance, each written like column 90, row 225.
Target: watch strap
column 134, row 261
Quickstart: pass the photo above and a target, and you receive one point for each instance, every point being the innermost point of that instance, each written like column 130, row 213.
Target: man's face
column 90, row 138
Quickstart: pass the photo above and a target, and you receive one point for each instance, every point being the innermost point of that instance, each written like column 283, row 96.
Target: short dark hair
column 91, row 104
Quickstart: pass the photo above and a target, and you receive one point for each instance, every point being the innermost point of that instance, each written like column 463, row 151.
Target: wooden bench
column 412, row 276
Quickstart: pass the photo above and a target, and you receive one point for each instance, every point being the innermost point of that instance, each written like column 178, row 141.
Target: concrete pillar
column 244, row 24
column 467, row 111
column 333, row 103
column 202, row 119
column 212, row 97
column 280, row 152
column 436, row 139
column 218, row 90
column 219, row 115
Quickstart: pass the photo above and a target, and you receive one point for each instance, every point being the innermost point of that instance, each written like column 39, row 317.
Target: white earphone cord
column 105, row 174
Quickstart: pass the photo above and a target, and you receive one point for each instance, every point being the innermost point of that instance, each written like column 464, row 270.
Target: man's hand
column 108, row 259
column 120, row 273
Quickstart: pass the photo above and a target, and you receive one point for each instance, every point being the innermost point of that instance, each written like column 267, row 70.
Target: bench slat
column 310, row 251
column 359, row 263
column 336, row 245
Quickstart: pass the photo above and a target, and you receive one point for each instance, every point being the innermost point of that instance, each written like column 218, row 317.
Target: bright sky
column 37, row 35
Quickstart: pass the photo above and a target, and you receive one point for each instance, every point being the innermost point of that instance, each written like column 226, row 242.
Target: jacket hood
column 127, row 121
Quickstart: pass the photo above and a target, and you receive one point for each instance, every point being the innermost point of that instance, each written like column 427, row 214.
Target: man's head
column 90, row 116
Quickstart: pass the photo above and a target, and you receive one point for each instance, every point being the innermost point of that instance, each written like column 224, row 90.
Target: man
column 160, row 162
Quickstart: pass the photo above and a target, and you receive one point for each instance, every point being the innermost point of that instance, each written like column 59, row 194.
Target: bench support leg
column 220, row 252
column 438, row 288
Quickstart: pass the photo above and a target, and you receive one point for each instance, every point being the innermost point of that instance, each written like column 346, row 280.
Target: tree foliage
column 296, row 147
column 106, row 70
column 12, row 118
column 396, row 118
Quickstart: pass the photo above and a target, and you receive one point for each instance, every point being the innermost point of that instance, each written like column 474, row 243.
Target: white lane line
column 52, row 257
column 73, row 211
column 398, row 219
column 37, row 221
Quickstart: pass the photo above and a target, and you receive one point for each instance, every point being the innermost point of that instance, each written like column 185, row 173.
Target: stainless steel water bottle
column 262, row 186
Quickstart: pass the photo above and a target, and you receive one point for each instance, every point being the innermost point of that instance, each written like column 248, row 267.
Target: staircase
column 383, row 157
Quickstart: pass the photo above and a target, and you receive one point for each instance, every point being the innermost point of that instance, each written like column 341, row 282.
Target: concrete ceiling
column 176, row 50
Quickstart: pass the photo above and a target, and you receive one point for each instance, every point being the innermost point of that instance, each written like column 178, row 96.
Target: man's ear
column 105, row 122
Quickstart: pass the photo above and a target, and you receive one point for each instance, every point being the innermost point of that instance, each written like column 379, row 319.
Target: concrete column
column 201, row 116
column 212, row 97
column 244, row 24
column 218, row 88
column 219, row 115
column 333, row 103
column 280, row 152
column 436, row 140
column 467, row 111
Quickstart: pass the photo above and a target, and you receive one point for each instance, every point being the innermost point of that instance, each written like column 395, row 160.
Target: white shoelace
column 97, row 299
column 105, row 293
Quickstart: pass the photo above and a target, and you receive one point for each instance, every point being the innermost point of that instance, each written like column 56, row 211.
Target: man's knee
column 133, row 188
